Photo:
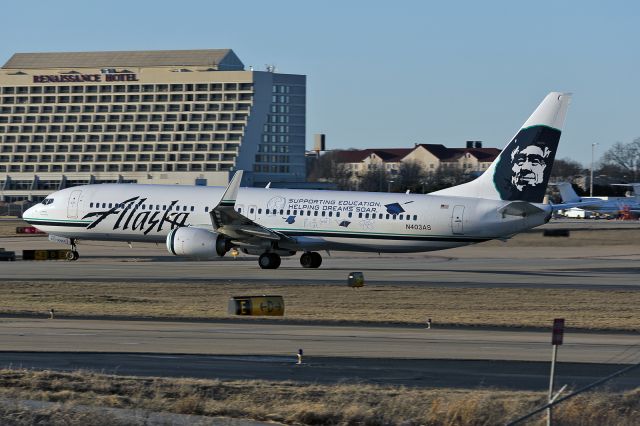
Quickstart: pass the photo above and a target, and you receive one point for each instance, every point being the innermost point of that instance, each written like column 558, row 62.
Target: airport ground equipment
column 7, row 255
column 28, row 230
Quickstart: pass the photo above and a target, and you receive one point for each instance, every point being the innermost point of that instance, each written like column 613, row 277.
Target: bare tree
column 624, row 158
column 326, row 169
column 411, row 176
column 566, row 169
column 375, row 179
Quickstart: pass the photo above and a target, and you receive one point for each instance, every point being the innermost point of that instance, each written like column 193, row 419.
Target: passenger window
column 350, row 214
column 330, row 213
column 104, row 205
column 359, row 215
column 337, row 214
column 239, row 209
column 401, row 217
column 193, row 208
column 309, row 213
column 90, row 204
column 323, row 214
column 415, row 217
column 394, row 217
column 206, row 209
column 288, row 212
column 380, row 216
column 184, row 208
column 366, row 216
column 110, row 205
column 295, row 212
column 281, row 211
column 252, row 210
column 259, row 211
column 387, row 217
column 315, row 213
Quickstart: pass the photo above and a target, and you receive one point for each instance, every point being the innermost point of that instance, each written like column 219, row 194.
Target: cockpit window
column 47, row 201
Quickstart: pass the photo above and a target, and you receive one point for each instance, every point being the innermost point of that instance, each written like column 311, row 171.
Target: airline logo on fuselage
column 130, row 215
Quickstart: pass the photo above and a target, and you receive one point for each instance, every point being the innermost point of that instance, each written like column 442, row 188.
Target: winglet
column 231, row 193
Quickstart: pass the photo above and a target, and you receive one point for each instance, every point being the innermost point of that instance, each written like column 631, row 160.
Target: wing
column 227, row 221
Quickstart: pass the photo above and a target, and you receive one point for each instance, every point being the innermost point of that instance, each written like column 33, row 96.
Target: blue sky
column 389, row 74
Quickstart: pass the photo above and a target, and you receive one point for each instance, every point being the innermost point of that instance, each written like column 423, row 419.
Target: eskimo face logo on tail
column 132, row 216
column 528, row 166
column 523, row 171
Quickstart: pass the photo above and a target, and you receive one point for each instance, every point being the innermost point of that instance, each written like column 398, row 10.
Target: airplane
column 609, row 205
column 202, row 222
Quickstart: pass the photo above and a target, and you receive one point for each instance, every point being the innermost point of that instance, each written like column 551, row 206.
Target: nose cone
column 30, row 212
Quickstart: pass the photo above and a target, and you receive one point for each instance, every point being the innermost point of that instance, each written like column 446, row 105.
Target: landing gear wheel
column 306, row 260
column 269, row 261
column 316, row 260
column 310, row 259
column 72, row 255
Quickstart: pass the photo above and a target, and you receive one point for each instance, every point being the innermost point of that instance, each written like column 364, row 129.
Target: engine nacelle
column 196, row 242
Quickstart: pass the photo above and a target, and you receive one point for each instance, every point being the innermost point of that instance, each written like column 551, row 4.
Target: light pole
column 593, row 148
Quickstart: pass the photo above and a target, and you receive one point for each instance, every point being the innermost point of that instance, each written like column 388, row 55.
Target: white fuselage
column 314, row 220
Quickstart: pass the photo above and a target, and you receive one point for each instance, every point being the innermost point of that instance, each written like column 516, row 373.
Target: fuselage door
column 72, row 208
column 457, row 220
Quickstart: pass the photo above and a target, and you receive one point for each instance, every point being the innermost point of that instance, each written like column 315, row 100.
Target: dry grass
column 510, row 307
column 343, row 404
column 8, row 227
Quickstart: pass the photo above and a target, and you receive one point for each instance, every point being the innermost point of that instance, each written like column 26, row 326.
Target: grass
column 291, row 403
column 500, row 307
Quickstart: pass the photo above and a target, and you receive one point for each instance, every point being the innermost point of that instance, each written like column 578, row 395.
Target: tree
column 444, row 178
column 375, row 179
column 411, row 176
column 624, row 159
column 566, row 169
column 326, row 169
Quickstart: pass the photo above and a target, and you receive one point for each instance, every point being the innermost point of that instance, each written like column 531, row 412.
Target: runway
column 250, row 350
column 617, row 267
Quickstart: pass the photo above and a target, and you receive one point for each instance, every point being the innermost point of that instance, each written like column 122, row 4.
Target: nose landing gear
column 311, row 259
column 73, row 254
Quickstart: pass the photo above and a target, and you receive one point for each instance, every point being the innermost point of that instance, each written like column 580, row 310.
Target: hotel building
column 167, row 117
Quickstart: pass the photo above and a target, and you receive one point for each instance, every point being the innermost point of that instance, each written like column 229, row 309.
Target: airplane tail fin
column 521, row 171
column 567, row 193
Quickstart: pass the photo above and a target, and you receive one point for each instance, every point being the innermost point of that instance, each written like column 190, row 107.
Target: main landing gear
column 311, row 259
column 73, row 254
column 269, row 261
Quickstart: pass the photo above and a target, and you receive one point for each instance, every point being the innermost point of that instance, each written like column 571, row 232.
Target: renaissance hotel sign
column 84, row 78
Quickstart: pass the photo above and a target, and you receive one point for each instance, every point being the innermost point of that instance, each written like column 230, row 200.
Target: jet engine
column 196, row 242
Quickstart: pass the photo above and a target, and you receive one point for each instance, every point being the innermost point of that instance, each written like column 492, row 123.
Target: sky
column 389, row 74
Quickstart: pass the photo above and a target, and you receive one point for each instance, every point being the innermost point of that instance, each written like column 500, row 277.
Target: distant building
column 474, row 159
column 171, row 117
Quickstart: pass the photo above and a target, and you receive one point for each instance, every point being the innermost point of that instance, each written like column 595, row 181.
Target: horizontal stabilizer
column 519, row 208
